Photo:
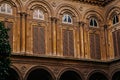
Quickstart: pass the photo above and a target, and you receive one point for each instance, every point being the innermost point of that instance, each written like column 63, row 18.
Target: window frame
column 67, row 19
column 6, row 7
column 115, row 18
column 39, row 12
column 93, row 26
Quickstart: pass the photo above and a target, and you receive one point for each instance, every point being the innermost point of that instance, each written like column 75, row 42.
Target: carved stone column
column 106, row 40
column 82, row 44
column 23, row 17
column 79, row 40
column 54, row 35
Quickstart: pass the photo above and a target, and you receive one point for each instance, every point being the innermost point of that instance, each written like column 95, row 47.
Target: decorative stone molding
column 81, row 8
column 54, row 19
column 23, row 69
column 54, row 4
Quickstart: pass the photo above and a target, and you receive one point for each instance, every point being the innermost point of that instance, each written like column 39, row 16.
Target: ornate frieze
column 97, row 2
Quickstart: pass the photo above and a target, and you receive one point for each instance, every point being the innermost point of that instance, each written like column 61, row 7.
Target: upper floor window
column 5, row 8
column 67, row 19
column 38, row 14
column 93, row 22
column 115, row 19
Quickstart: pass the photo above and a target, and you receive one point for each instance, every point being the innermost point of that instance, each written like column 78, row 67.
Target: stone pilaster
column 23, row 17
column 82, row 44
column 78, row 40
column 106, row 41
column 54, row 35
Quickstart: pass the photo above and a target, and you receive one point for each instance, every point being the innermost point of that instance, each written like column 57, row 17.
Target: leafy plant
column 5, row 51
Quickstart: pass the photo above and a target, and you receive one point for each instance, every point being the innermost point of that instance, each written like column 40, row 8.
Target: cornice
column 96, row 2
column 56, row 58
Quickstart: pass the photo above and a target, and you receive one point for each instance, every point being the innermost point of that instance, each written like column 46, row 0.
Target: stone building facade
column 63, row 39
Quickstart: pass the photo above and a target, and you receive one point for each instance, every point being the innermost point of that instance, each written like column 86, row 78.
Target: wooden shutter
column 38, row 40
column 68, row 43
column 35, row 39
column 65, row 42
column 41, row 40
column 95, row 46
column 116, row 42
column 71, row 43
column 92, row 46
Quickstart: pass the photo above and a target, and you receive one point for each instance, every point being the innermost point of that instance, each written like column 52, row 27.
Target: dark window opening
column 69, row 19
column 93, row 22
column 115, row 19
column 70, row 75
column 39, row 74
column 13, row 75
column 98, row 76
column 116, row 76
column 65, row 19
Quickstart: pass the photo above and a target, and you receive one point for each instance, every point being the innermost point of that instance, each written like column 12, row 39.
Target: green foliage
column 5, row 51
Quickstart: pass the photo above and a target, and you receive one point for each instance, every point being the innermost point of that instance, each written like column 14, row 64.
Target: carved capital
column 81, row 23
column 54, row 19
column 105, row 26
column 39, row 23
column 23, row 14
column 6, row 19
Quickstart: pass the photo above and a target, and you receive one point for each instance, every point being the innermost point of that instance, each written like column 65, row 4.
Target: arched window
column 115, row 19
column 67, row 19
column 93, row 22
column 38, row 14
column 5, row 8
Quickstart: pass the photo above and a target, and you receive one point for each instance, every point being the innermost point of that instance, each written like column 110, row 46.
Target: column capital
column 54, row 19
column 6, row 19
column 23, row 13
column 105, row 26
column 81, row 23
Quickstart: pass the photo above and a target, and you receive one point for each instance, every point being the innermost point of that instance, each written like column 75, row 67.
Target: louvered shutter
column 41, row 40
column 116, row 43
column 97, row 46
column 71, row 43
column 92, row 46
column 65, row 42
column 35, row 39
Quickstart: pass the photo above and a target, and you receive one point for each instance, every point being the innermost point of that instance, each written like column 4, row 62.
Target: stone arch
column 40, row 3
column 111, row 12
column 95, row 74
column 42, row 68
column 17, row 4
column 115, row 74
column 62, row 8
column 69, row 70
column 92, row 13
column 15, row 73
column 9, row 2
